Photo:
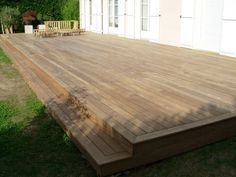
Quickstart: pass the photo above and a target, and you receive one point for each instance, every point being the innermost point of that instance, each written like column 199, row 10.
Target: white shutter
column 211, row 25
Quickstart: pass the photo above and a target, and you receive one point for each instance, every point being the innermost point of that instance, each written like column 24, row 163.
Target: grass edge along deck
column 62, row 114
column 153, row 148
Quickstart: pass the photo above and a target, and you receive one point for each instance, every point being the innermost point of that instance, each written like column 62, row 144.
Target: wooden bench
column 59, row 28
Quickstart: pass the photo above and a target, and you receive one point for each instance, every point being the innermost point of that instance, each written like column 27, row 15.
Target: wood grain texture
column 137, row 97
column 142, row 87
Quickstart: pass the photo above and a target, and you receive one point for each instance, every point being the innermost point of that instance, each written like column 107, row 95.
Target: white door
column 113, row 16
column 88, row 14
column 145, row 20
column 149, row 18
column 211, row 25
column 170, row 22
column 99, row 16
column 92, row 15
column 129, row 18
column 228, row 42
column 187, row 17
column 82, row 14
column 154, row 20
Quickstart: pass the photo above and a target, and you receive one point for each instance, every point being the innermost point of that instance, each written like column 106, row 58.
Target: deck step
column 100, row 148
column 90, row 106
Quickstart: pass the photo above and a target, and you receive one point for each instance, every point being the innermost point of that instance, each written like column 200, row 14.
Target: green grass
column 33, row 145
column 36, row 145
column 5, row 66
column 4, row 58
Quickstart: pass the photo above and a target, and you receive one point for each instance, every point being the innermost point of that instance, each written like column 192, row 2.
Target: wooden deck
column 133, row 101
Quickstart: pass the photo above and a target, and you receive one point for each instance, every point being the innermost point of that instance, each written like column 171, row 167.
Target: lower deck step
column 90, row 106
column 103, row 152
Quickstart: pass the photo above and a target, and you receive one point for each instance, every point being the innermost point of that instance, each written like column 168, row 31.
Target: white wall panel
column 211, row 25
column 87, row 15
column 94, row 15
column 99, row 16
column 113, row 29
column 82, row 14
column 170, row 26
column 154, row 20
column 187, row 22
column 204, row 24
column 198, row 12
column 105, row 17
column 130, row 18
column 137, row 5
column 121, row 28
column 229, row 9
column 228, row 43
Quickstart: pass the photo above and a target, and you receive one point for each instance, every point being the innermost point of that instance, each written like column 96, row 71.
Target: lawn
column 33, row 145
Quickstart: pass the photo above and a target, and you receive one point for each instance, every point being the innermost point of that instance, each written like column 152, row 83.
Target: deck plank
column 141, row 86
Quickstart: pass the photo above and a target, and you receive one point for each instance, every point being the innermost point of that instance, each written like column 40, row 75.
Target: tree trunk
column 11, row 29
column 3, row 31
column 7, row 30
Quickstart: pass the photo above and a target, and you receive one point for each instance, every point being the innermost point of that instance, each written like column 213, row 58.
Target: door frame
column 113, row 29
column 145, row 34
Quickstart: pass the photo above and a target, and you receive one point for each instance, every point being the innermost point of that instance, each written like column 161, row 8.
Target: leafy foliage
column 46, row 9
column 70, row 10
column 9, row 16
column 29, row 16
column 52, row 9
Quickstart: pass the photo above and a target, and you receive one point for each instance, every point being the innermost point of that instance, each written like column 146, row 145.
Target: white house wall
column 204, row 28
column 87, row 15
column 121, row 27
column 129, row 19
column 137, row 20
column 82, row 14
column 98, row 16
column 170, row 22
column 197, row 21
column 187, row 21
column 105, row 17
column 228, row 42
column 211, row 25
column 154, row 20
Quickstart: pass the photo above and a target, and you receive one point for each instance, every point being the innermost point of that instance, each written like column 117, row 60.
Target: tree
column 70, row 10
column 9, row 17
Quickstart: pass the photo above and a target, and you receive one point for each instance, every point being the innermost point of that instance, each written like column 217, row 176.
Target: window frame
column 146, row 16
column 113, row 14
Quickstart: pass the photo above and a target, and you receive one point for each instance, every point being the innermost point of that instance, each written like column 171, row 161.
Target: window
column 90, row 13
column 144, row 15
column 113, row 13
